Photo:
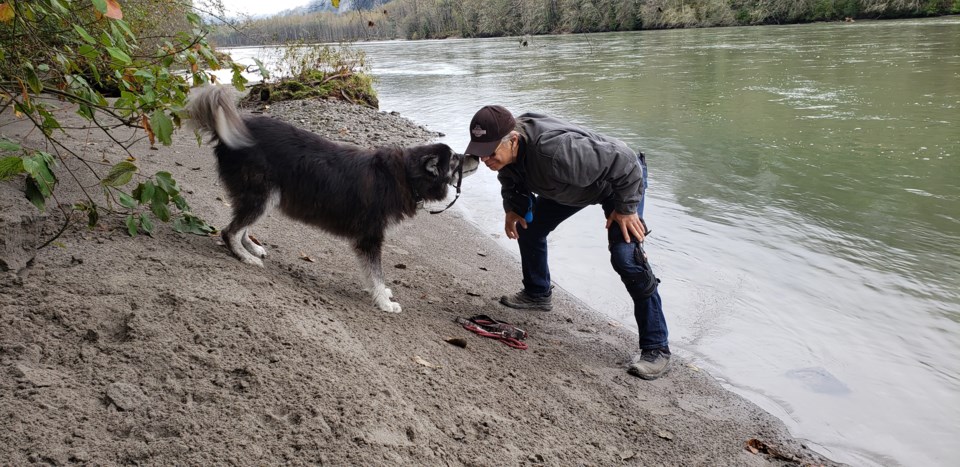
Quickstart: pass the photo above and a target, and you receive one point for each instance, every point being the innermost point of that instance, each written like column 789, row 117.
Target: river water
column 804, row 199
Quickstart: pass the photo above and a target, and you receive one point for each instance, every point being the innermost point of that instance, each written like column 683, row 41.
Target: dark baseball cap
column 489, row 125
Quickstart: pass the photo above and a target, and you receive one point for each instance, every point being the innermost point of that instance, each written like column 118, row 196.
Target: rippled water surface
column 804, row 197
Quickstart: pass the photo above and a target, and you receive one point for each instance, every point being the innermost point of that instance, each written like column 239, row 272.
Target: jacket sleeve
column 584, row 160
column 514, row 192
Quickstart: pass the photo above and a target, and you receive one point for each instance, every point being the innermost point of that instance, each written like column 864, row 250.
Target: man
column 550, row 169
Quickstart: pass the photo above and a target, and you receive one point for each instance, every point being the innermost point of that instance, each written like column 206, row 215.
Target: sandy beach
column 167, row 350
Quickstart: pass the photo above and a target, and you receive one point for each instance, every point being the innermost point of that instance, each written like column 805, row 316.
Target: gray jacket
column 568, row 164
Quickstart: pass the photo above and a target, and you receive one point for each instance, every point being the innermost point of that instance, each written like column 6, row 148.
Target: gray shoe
column 522, row 301
column 650, row 364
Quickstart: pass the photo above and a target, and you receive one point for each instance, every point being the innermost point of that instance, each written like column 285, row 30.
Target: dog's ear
column 430, row 164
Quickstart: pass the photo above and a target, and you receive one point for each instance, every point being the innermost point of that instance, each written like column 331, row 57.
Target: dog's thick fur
column 352, row 192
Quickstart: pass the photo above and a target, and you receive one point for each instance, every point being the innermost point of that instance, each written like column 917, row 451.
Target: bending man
column 549, row 170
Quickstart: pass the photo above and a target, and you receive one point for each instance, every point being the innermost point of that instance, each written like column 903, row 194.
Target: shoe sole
column 505, row 302
column 648, row 376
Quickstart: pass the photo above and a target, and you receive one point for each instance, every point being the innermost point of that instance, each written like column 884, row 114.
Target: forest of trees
column 430, row 19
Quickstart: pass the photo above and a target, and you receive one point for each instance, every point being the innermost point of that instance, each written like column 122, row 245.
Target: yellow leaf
column 6, row 12
column 336, row 3
column 146, row 126
column 23, row 91
column 113, row 10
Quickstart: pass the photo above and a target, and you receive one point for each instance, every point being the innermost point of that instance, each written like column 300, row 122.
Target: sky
column 261, row 7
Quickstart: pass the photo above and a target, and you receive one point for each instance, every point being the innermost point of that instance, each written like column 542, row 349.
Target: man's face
column 503, row 155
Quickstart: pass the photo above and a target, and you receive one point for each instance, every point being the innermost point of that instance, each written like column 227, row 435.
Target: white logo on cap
column 477, row 131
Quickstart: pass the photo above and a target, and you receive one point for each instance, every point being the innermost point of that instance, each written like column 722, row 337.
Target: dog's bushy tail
column 213, row 110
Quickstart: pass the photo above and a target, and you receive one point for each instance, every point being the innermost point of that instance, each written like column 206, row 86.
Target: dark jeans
column 547, row 215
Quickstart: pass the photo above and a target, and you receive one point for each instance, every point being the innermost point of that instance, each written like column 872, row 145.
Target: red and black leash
column 486, row 326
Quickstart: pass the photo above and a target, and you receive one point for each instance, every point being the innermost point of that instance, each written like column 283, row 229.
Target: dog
column 352, row 192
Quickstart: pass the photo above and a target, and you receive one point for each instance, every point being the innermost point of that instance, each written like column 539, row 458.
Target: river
column 804, row 199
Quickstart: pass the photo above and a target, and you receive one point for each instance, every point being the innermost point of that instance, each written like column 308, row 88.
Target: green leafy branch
column 153, row 195
column 158, row 195
column 84, row 53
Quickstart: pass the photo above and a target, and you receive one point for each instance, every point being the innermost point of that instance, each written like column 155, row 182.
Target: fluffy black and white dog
column 352, row 192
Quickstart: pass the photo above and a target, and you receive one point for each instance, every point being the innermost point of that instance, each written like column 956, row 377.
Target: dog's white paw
column 257, row 250
column 253, row 247
column 388, row 306
column 253, row 261
column 388, row 292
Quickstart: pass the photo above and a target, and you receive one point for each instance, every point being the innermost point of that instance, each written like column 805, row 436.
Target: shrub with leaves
column 305, row 71
column 82, row 52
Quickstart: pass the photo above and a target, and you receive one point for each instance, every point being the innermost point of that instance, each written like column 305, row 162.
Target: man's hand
column 630, row 225
column 510, row 225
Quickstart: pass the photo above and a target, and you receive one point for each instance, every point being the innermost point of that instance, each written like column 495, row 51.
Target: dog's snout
column 470, row 163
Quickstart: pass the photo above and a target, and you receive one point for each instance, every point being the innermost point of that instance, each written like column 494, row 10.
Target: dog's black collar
column 459, row 181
